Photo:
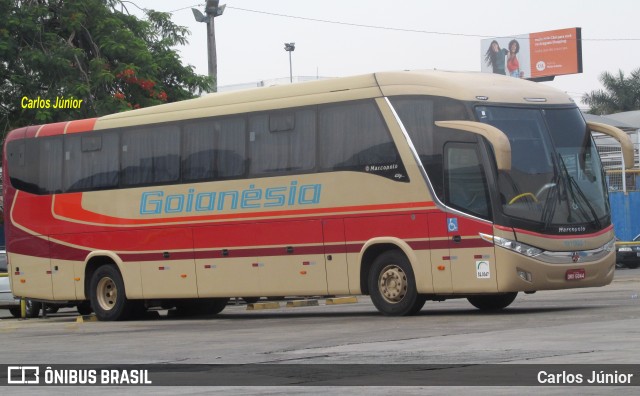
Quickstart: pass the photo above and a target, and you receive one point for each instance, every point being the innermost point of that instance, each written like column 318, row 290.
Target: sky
column 446, row 35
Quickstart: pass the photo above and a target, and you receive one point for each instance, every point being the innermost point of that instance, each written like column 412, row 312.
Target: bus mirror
column 625, row 141
column 497, row 138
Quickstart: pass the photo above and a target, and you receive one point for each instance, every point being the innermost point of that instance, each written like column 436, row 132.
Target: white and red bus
column 405, row 186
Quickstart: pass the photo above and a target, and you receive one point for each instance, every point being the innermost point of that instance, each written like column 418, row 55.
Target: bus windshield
column 556, row 176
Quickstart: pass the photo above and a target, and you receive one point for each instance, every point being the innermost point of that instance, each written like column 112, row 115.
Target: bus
column 404, row 186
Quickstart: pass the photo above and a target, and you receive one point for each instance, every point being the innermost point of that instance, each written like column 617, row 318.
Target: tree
column 619, row 94
column 92, row 50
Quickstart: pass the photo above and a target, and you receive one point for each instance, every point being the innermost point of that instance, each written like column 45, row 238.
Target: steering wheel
column 520, row 196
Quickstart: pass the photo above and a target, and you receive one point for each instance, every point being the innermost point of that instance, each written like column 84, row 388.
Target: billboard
column 534, row 56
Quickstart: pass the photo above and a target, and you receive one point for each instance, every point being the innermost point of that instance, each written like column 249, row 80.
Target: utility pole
column 212, row 10
column 290, row 47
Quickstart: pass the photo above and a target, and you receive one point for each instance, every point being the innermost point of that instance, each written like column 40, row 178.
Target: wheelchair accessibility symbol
column 452, row 225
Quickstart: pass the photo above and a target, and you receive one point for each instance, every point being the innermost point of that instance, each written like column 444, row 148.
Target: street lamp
column 212, row 10
column 290, row 47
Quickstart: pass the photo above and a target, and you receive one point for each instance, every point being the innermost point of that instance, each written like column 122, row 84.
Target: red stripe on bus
column 32, row 131
column 52, row 129
column 81, row 125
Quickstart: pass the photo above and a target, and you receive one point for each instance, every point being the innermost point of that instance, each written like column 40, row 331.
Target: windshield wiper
column 549, row 209
column 586, row 201
column 571, row 185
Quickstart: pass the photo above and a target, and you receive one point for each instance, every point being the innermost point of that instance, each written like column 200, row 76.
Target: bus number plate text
column 575, row 274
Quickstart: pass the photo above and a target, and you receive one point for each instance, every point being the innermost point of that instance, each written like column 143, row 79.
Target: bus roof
column 466, row 86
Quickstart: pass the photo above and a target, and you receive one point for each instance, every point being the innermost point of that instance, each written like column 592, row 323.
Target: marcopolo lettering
column 158, row 202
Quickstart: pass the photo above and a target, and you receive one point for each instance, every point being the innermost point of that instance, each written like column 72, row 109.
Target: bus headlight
column 611, row 246
column 515, row 246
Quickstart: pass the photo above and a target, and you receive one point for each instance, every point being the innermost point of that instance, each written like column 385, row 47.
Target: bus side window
column 353, row 136
column 90, row 161
column 150, row 155
column 465, row 182
column 36, row 164
column 282, row 142
column 213, row 149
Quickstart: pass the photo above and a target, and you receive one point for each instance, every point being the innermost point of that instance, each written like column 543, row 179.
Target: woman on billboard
column 513, row 65
column 494, row 57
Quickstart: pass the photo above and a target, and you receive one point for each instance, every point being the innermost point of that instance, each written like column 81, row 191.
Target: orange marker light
column 303, row 272
column 23, row 281
column 441, row 267
column 183, row 276
column 77, row 279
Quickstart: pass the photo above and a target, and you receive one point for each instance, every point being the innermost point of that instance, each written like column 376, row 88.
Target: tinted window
column 91, row 161
column 35, row 165
column 466, row 184
column 150, row 155
column 418, row 115
column 282, row 142
column 213, row 149
column 353, row 136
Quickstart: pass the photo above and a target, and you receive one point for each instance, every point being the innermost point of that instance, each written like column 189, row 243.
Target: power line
column 359, row 24
column 186, row 8
column 391, row 28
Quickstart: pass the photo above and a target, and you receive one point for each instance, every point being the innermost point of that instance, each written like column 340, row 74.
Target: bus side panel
column 66, row 264
column 473, row 261
column 168, row 279
column 227, row 277
column 164, row 254
column 440, row 254
column 169, row 273
column 336, row 257
column 261, row 259
column 291, row 269
column 30, row 266
column 409, row 228
column 63, row 279
column 223, row 268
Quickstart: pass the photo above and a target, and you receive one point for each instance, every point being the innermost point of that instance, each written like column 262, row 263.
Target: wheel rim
column 107, row 293
column 393, row 283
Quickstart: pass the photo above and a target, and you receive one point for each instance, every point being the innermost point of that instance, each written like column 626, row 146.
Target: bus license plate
column 575, row 274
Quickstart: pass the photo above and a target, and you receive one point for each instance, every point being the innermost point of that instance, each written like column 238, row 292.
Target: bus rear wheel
column 32, row 308
column 494, row 302
column 392, row 285
column 107, row 294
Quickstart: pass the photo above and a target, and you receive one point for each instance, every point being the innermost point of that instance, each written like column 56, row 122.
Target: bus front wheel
column 392, row 285
column 107, row 294
column 494, row 302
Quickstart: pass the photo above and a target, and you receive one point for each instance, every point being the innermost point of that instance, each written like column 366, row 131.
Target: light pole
column 290, row 47
column 212, row 10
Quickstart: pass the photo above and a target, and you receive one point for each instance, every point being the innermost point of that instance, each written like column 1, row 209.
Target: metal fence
column 611, row 157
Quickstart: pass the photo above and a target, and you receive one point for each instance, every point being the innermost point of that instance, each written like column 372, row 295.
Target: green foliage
column 619, row 94
column 89, row 50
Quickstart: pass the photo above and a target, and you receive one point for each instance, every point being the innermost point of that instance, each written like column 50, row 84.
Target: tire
column 632, row 265
column 493, row 302
column 15, row 311
column 205, row 306
column 107, row 294
column 51, row 309
column 33, row 308
column 84, row 308
column 392, row 285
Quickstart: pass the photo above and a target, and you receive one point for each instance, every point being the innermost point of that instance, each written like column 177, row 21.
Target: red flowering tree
column 92, row 50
